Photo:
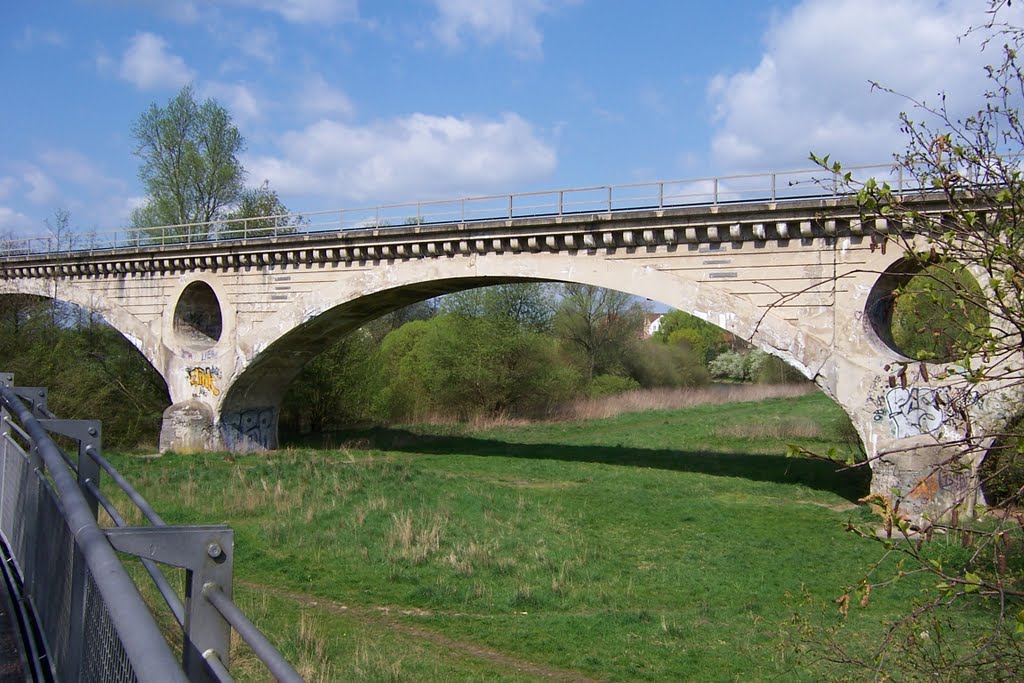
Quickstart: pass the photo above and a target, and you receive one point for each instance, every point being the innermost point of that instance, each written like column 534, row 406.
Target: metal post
column 773, row 187
column 661, row 195
column 609, row 199
column 510, row 207
column 206, row 553
column 714, row 198
column 560, row 201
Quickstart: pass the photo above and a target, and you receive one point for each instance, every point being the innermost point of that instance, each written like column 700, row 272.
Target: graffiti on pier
column 954, row 485
column 252, row 429
column 204, row 379
column 923, row 410
column 913, row 411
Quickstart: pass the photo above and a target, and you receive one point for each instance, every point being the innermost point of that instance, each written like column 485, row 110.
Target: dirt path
column 383, row 615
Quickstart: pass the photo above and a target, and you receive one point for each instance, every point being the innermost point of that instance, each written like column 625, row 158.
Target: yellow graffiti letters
column 204, row 378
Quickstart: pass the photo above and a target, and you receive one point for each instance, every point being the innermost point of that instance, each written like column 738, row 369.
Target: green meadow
column 656, row 546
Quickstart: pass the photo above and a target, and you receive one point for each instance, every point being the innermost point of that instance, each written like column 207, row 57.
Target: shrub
column 665, row 365
column 1002, row 470
column 608, row 385
column 729, row 365
column 773, row 370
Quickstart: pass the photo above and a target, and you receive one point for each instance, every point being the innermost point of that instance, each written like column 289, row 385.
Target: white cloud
column 14, row 223
column 318, row 97
column 508, row 21
column 237, row 98
column 179, row 11
column 7, row 185
column 75, row 168
column 260, row 44
column 811, row 89
column 32, row 36
column 409, row 158
column 148, row 65
column 305, row 11
column 39, row 188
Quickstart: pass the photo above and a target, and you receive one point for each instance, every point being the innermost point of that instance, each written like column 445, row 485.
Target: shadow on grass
column 816, row 474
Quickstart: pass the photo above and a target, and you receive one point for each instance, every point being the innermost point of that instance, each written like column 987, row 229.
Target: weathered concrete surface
column 801, row 280
column 188, row 427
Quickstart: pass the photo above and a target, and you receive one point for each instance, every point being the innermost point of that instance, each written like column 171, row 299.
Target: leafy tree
column 463, row 367
column 598, row 325
column 652, row 364
column 936, row 312
column 389, row 322
column 259, row 213
column 190, row 166
column 336, row 388
column 705, row 339
column 527, row 304
column 974, row 165
column 91, row 370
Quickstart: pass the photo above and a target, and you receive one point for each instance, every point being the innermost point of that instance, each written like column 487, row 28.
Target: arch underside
column 137, row 333
column 273, row 370
column 262, row 382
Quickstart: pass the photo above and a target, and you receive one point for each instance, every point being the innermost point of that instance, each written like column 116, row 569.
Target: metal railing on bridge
column 776, row 186
column 83, row 616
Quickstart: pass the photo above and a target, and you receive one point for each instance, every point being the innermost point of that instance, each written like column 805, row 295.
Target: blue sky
column 348, row 103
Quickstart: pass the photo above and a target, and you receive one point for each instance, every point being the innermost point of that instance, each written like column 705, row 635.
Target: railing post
column 609, row 199
column 661, row 195
column 510, row 207
column 560, row 201
column 714, row 196
column 773, row 187
column 207, row 555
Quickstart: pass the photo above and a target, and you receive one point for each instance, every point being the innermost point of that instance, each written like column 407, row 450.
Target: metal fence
column 778, row 186
column 82, row 615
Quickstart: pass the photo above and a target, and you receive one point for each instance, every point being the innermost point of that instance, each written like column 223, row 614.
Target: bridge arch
column 139, row 334
column 275, row 351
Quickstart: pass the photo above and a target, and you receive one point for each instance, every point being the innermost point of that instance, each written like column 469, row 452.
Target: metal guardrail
column 773, row 187
column 87, row 619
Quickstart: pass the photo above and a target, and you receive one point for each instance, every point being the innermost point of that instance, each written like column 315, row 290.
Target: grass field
column 656, row 546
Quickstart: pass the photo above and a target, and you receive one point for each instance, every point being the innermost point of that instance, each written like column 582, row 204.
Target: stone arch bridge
column 229, row 323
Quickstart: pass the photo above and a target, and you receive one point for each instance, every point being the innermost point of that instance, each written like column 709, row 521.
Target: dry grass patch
column 675, row 399
column 416, row 542
column 795, row 427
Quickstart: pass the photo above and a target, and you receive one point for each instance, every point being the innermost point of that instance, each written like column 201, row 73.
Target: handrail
column 774, row 186
column 138, row 632
column 204, row 552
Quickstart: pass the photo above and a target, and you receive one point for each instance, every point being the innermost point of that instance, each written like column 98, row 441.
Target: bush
column 1002, row 470
column 609, row 385
column 729, row 365
column 653, row 364
column 773, row 370
column 463, row 367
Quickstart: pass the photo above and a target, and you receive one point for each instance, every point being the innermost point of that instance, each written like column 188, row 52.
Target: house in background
column 652, row 323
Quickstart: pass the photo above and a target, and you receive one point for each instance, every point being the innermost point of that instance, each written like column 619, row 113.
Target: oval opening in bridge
column 197, row 317
column 928, row 311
